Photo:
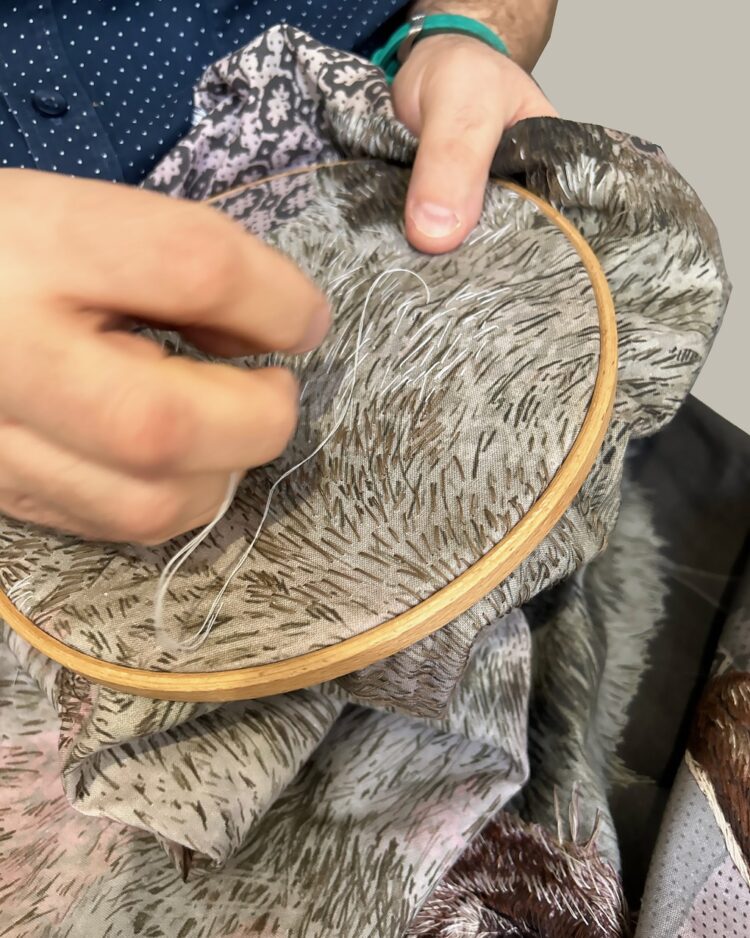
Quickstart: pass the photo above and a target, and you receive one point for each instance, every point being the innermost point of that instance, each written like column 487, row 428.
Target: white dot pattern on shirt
column 137, row 60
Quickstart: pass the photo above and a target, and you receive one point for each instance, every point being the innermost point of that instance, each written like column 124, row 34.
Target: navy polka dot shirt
column 103, row 88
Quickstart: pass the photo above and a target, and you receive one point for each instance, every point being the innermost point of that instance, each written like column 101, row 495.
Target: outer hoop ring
column 429, row 615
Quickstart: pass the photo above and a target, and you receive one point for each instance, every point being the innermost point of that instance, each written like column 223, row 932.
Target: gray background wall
column 675, row 73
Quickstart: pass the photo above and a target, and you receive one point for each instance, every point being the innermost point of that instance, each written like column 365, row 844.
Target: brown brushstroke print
column 719, row 758
column 516, row 880
column 380, row 519
column 345, row 848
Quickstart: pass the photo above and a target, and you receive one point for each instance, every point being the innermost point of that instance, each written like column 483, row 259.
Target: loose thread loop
column 175, row 563
column 162, row 638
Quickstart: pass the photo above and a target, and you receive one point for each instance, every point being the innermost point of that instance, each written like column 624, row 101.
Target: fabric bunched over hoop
column 500, row 394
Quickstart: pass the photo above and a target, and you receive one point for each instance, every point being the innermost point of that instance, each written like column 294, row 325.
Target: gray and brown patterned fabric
column 612, row 696
column 494, row 367
column 336, row 811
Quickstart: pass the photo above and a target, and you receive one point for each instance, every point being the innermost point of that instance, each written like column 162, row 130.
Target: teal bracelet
column 390, row 56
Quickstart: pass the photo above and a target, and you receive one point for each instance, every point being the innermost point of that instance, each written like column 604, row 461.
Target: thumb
column 457, row 142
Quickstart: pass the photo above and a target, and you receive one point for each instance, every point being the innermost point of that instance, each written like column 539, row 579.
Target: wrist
column 525, row 25
column 423, row 27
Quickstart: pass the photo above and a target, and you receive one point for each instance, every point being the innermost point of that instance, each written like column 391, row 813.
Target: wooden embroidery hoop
column 429, row 615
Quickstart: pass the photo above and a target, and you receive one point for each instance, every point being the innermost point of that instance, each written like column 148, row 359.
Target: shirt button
column 49, row 103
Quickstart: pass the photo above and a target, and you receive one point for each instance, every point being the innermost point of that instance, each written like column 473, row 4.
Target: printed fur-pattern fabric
column 234, row 764
column 349, row 849
column 719, row 759
column 634, row 209
column 465, row 406
column 364, row 836
column 208, row 773
column 718, row 753
column 591, row 639
column 526, row 435
column 516, row 880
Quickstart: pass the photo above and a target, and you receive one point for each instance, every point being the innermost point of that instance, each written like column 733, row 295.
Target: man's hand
column 457, row 95
column 101, row 433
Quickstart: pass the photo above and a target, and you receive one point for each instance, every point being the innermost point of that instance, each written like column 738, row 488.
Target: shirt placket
column 51, row 107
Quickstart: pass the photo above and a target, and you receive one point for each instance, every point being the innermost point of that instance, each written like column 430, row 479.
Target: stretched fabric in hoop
column 476, row 374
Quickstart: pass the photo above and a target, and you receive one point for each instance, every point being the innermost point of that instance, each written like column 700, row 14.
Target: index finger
column 119, row 402
column 173, row 262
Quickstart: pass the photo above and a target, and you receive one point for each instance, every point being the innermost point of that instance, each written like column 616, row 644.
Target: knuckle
column 308, row 309
column 290, row 332
column 460, row 152
column 206, row 260
column 27, row 507
column 147, row 431
column 149, row 515
column 21, row 505
column 280, row 417
column 471, row 117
